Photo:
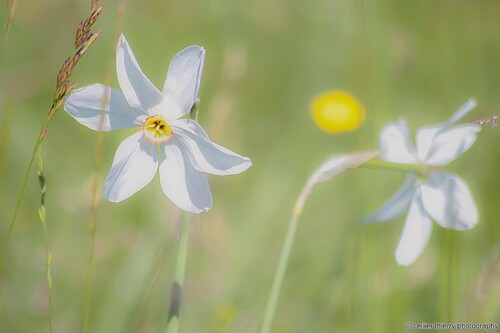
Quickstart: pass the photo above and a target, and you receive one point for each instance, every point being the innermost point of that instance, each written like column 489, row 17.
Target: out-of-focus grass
column 265, row 62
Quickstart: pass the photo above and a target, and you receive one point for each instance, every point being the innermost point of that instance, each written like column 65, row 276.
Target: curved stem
column 280, row 274
column 6, row 245
column 325, row 172
column 283, row 260
column 63, row 88
column 38, row 142
column 180, row 270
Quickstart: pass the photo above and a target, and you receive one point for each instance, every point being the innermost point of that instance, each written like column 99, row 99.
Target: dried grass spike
column 94, row 4
column 86, row 45
column 83, row 31
column 65, row 72
column 79, row 33
column 70, row 88
column 94, row 15
column 81, row 40
column 61, row 74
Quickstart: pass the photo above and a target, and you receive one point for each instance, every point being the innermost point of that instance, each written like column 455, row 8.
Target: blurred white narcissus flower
column 179, row 148
column 440, row 196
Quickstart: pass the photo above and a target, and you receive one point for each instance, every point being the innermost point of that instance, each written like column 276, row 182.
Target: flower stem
column 272, row 302
column 43, row 220
column 91, row 226
column 155, row 271
column 280, row 274
column 448, row 274
column 180, row 269
column 418, row 169
column 94, row 203
column 88, row 280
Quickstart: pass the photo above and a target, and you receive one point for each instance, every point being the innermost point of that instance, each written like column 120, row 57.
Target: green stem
column 451, row 275
column 280, row 272
column 92, row 226
column 43, row 220
column 94, row 203
column 88, row 280
column 418, row 169
column 180, row 270
column 448, row 272
column 155, row 271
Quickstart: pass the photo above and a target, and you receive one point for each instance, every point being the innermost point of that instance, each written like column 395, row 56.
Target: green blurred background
column 265, row 62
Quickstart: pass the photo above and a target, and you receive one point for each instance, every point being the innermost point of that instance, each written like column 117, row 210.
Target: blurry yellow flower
column 226, row 313
column 337, row 111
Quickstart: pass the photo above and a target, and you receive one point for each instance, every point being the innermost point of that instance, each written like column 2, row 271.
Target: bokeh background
column 266, row 60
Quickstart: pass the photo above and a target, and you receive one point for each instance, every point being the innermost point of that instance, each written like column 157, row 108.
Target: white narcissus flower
column 179, row 148
column 439, row 196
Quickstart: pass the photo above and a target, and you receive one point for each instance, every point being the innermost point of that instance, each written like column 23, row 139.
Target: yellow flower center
column 156, row 130
column 337, row 111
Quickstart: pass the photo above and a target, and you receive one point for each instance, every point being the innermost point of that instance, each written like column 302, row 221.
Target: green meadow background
column 266, row 60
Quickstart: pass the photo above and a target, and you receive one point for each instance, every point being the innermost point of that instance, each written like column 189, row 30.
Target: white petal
column 448, row 144
column 181, row 182
column 205, row 155
column 415, row 235
column 447, row 199
column 397, row 204
column 452, row 144
column 86, row 106
column 183, row 79
column 425, row 138
column 395, row 143
column 134, row 166
column 136, row 87
column 462, row 111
